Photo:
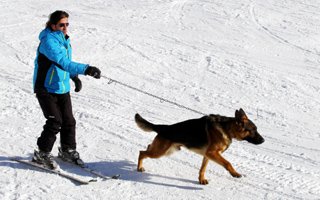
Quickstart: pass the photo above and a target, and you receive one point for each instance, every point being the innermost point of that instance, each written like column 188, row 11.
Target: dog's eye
column 249, row 128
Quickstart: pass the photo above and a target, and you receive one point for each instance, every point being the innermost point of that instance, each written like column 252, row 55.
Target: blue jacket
column 53, row 63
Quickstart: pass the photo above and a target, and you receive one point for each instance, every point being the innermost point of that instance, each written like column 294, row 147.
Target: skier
column 53, row 70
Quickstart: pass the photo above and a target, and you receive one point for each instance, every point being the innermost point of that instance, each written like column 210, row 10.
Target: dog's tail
column 144, row 124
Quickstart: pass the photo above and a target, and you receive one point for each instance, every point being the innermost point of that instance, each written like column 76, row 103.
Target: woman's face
column 62, row 25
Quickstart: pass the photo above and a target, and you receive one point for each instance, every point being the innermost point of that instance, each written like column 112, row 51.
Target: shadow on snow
column 125, row 168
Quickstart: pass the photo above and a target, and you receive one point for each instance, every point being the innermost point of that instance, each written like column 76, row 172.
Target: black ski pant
column 57, row 109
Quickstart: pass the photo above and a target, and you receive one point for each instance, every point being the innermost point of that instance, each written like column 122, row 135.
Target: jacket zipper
column 51, row 77
column 64, row 77
column 63, row 86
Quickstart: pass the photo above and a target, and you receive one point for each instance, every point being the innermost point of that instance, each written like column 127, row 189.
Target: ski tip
column 116, row 176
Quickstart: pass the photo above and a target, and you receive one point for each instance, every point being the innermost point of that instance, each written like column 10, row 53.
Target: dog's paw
column 236, row 175
column 204, row 182
column 141, row 169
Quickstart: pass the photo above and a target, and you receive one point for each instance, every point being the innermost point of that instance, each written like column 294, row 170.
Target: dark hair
column 55, row 17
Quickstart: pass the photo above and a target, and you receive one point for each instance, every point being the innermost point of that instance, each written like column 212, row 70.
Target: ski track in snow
column 210, row 56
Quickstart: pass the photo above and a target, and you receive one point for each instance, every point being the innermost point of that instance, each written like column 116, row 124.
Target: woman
column 52, row 73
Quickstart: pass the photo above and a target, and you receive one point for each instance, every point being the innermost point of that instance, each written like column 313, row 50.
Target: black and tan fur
column 208, row 136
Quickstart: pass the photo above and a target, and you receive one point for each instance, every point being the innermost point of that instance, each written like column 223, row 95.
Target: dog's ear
column 241, row 115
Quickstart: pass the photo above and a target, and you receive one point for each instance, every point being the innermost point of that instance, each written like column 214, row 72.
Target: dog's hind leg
column 159, row 147
column 202, row 179
column 216, row 156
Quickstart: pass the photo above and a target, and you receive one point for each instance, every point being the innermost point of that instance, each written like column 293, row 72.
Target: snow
column 209, row 56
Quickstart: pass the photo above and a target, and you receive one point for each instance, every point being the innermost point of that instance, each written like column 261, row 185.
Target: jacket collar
column 56, row 34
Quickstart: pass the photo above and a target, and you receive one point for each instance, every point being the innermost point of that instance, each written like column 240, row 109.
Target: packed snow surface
column 197, row 56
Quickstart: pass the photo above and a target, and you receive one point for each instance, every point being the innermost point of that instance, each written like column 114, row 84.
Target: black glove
column 77, row 83
column 93, row 71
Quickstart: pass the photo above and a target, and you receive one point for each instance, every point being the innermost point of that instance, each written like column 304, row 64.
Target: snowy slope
column 210, row 56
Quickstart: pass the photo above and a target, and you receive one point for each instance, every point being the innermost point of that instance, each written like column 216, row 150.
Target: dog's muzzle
column 256, row 139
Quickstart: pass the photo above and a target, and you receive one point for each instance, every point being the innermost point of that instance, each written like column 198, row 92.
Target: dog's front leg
column 202, row 179
column 216, row 156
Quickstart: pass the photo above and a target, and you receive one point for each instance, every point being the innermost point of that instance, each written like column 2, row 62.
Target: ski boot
column 70, row 155
column 45, row 159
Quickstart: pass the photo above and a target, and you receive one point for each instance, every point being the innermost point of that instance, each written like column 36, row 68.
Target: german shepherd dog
column 208, row 136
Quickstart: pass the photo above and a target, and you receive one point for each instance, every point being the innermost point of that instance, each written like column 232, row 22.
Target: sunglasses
column 63, row 25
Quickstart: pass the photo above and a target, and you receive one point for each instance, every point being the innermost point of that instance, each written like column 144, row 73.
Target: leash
column 152, row 95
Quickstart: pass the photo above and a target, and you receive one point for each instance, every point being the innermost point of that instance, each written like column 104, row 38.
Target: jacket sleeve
column 57, row 53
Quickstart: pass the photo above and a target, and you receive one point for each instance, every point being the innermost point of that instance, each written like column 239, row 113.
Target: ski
column 92, row 171
column 98, row 174
column 53, row 171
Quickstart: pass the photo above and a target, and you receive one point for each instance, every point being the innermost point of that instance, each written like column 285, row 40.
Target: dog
column 208, row 136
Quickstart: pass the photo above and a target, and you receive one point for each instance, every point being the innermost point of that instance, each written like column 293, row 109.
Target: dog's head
column 247, row 129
